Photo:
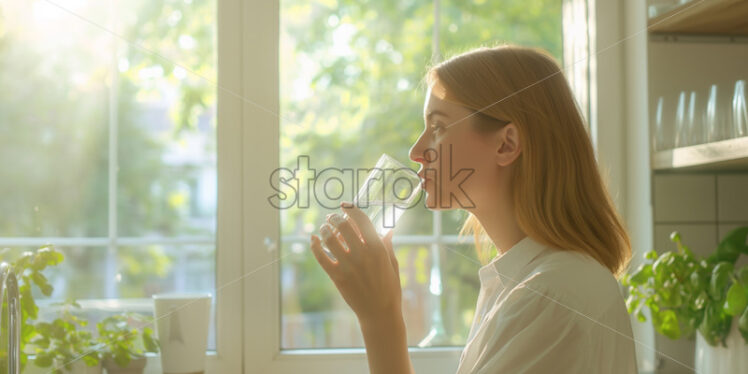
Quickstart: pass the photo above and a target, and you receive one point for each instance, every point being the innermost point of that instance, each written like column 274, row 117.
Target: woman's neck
column 500, row 224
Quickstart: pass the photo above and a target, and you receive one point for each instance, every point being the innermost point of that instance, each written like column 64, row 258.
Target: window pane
column 166, row 119
column 349, row 76
column 314, row 315
column 53, row 120
column 87, row 83
column 56, row 116
column 535, row 23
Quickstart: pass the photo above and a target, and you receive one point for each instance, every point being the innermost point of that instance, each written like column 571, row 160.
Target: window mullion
column 111, row 265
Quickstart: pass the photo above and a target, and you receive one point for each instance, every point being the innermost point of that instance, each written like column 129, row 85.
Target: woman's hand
column 365, row 271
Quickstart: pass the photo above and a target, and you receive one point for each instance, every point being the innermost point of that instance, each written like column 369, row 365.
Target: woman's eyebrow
column 435, row 112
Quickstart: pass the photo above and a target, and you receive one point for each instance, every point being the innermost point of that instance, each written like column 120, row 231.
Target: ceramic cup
column 182, row 322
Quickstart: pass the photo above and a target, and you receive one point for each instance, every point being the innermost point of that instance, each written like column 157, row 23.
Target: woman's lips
column 422, row 176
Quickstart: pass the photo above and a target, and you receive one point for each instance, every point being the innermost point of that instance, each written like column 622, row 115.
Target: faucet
column 8, row 281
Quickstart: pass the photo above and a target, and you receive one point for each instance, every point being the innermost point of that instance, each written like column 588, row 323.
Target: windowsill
column 154, row 361
column 297, row 354
column 153, row 366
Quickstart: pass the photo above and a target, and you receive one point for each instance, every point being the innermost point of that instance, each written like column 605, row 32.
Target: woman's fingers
column 332, row 242
column 363, row 223
column 345, row 228
column 319, row 253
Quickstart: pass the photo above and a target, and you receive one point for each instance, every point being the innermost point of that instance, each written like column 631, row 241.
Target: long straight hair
column 559, row 196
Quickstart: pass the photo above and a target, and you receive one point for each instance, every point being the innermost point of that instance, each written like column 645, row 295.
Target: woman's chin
column 432, row 203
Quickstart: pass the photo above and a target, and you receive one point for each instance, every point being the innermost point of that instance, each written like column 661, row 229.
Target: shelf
column 720, row 17
column 731, row 154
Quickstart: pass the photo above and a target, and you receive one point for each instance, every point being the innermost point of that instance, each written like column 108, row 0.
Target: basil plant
column 686, row 293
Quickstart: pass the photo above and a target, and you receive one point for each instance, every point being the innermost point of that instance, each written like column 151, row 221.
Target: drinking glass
column 739, row 111
column 657, row 139
column 389, row 189
column 694, row 121
column 718, row 118
column 681, row 129
column 663, row 136
column 713, row 119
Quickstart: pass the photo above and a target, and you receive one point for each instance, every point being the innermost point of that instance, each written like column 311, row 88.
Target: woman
column 549, row 302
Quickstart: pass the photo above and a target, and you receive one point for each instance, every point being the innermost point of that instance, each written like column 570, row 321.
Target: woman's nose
column 416, row 151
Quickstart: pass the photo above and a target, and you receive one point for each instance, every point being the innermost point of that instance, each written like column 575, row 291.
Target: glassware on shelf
column 681, row 128
column 657, row 136
column 663, row 125
column 694, row 119
column 713, row 118
column 739, row 111
column 659, row 7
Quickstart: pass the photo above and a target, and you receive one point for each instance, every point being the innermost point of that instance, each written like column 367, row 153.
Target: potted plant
column 688, row 295
column 61, row 345
column 123, row 347
column 28, row 267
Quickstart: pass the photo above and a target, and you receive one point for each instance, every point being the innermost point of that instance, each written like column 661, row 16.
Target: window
column 109, row 146
column 142, row 148
column 349, row 75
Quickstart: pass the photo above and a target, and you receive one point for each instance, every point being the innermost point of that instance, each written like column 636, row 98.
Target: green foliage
column 686, row 293
column 121, row 341
column 59, row 344
column 28, row 268
column 63, row 341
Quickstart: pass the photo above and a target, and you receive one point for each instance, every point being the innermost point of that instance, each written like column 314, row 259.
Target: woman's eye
column 436, row 127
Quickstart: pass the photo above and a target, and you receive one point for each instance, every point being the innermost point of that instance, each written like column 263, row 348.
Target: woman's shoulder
column 574, row 278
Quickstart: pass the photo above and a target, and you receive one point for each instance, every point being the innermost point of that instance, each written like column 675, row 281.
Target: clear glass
column 712, row 116
column 717, row 121
column 694, row 119
column 739, row 111
column 388, row 191
column 681, row 129
column 664, row 119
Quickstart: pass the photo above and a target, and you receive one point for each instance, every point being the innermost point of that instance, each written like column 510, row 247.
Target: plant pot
column 136, row 366
column 719, row 359
column 80, row 367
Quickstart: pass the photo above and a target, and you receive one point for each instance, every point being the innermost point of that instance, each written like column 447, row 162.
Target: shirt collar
column 508, row 265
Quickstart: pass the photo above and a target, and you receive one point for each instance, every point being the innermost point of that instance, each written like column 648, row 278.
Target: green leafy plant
column 65, row 340
column 28, row 268
column 686, row 293
column 120, row 338
column 60, row 343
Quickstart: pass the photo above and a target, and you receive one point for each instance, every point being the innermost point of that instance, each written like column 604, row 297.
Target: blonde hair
column 559, row 196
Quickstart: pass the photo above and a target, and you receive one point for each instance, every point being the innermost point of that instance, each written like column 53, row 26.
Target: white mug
column 182, row 322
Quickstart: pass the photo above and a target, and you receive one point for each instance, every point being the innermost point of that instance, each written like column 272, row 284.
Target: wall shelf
column 731, row 154
column 718, row 17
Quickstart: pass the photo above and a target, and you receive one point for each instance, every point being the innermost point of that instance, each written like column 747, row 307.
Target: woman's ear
column 507, row 145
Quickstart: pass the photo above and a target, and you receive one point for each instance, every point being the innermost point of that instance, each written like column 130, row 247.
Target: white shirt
column 544, row 310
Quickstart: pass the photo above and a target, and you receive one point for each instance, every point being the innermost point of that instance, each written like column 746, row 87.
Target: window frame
column 259, row 28
column 227, row 357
